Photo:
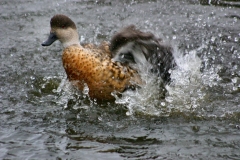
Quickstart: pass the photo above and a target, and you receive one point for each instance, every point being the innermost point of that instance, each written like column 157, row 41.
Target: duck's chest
column 80, row 65
column 96, row 72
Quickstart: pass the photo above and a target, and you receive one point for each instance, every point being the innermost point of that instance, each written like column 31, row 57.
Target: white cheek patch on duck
column 68, row 37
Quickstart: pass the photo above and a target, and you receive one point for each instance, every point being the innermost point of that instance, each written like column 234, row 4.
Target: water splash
column 71, row 97
column 185, row 93
column 186, row 89
column 192, row 83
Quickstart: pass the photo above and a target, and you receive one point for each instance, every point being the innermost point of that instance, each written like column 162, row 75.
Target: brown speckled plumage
column 90, row 64
column 101, row 75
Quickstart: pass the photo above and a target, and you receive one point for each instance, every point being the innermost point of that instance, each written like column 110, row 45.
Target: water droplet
column 32, row 78
column 128, row 113
column 236, row 39
column 85, row 89
column 235, row 88
column 235, row 19
column 213, row 39
column 199, row 18
column 100, row 118
column 234, row 80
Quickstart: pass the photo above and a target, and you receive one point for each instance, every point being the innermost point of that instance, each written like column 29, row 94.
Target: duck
column 90, row 65
column 143, row 50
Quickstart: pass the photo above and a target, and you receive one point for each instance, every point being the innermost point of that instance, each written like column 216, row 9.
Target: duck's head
column 142, row 50
column 64, row 30
column 132, row 53
column 133, row 47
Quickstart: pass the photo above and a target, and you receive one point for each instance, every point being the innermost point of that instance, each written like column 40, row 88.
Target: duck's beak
column 51, row 38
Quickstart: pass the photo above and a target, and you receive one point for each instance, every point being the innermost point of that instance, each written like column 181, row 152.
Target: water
column 44, row 117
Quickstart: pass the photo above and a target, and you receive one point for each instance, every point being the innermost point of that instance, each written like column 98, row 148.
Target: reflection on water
column 196, row 116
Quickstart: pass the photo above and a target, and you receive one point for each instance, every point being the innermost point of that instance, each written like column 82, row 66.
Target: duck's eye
column 128, row 56
column 63, row 26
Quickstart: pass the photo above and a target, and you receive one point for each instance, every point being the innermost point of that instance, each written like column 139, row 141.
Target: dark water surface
column 43, row 117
